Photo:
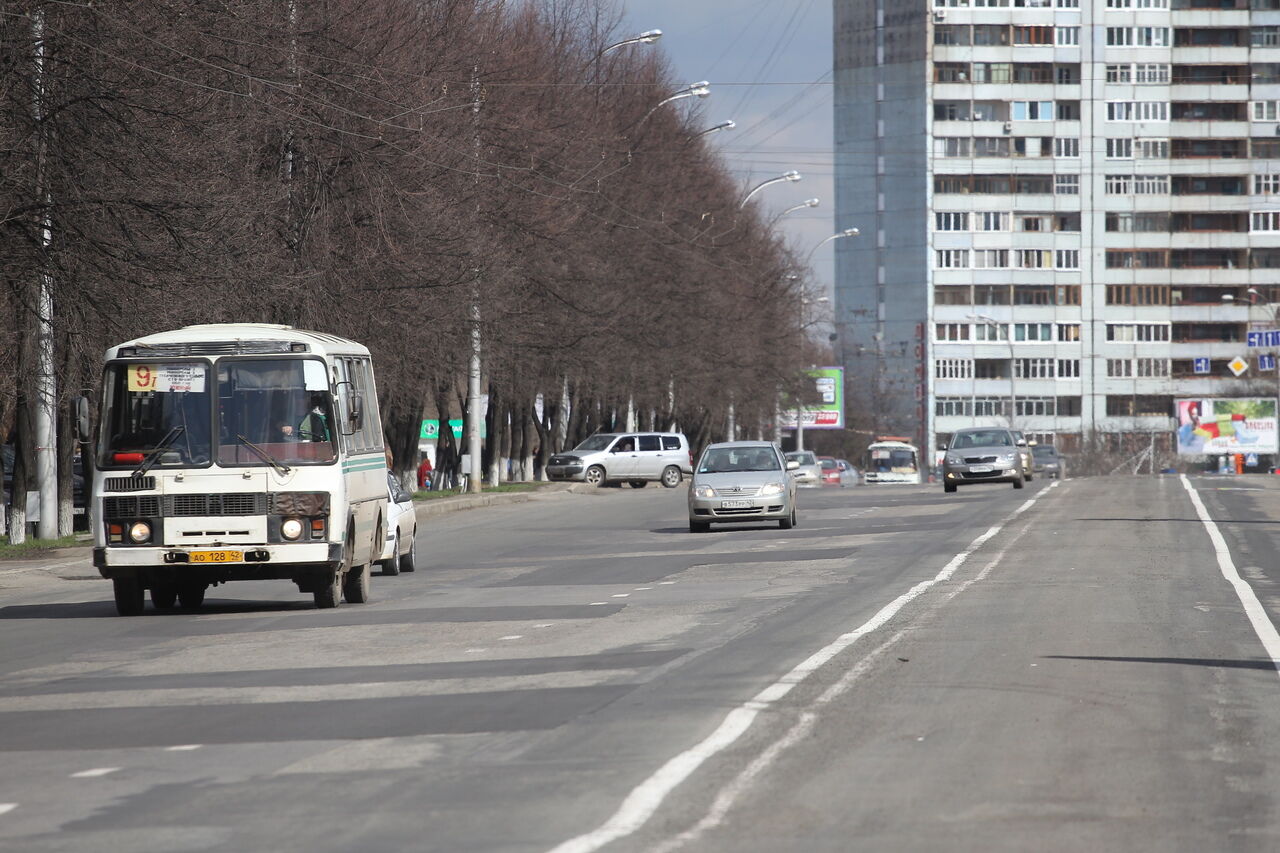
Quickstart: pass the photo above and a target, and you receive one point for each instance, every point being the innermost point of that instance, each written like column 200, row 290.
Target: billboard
column 1237, row 425
column 823, row 404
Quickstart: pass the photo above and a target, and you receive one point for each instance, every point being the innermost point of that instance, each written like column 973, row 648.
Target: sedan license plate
column 980, row 469
column 735, row 504
column 216, row 556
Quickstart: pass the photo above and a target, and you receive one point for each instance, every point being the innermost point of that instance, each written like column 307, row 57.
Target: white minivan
column 637, row 458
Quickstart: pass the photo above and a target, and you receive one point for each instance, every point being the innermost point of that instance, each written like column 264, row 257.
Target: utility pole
column 473, row 371
column 46, row 437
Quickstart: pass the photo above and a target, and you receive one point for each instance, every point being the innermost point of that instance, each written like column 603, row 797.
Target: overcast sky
column 755, row 52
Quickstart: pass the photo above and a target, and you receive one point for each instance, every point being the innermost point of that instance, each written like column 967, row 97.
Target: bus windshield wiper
column 264, row 456
column 153, row 455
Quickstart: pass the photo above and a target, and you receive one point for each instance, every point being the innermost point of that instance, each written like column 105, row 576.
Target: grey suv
column 982, row 455
column 638, row 458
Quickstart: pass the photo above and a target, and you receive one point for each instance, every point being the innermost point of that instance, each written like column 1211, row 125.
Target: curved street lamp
column 809, row 202
column 646, row 37
column 730, row 124
column 694, row 90
column 848, row 232
column 791, row 176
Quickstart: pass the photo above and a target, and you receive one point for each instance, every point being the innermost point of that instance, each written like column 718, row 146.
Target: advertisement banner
column 1237, row 425
column 823, row 403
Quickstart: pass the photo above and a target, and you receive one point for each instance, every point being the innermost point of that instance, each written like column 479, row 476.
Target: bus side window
column 372, row 417
column 342, row 415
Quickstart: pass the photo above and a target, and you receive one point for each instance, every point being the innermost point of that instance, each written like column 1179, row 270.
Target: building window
column 951, row 146
column 952, row 294
column 1139, row 405
column 951, row 35
column 1066, row 259
column 1150, row 184
column 1152, row 149
column 950, row 110
column 1264, row 220
column 1151, row 72
column 1066, row 184
column 1033, row 259
column 944, row 406
column 951, row 72
column 991, row 331
column 1031, row 110
column 1069, row 333
column 1152, row 367
column 1265, row 110
column 1119, row 368
column 951, row 221
column 1268, row 184
column 1138, row 37
column 1034, row 332
column 990, row 259
column 1137, row 4
column 992, row 407
column 1032, row 35
column 1036, row 406
column 1066, row 146
column 1137, row 110
column 991, row 221
column 1119, row 184
column 1034, row 368
column 950, row 259
column 951, row 332
column 1119, row 149
column 1141, row 333
column 1138, row 294
column 1264, row 37
column 1068, row 368
column 953, row 368
column 1120, row 73
column 1066, row 36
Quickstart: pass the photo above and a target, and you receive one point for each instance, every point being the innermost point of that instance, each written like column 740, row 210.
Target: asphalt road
column 1074, row 666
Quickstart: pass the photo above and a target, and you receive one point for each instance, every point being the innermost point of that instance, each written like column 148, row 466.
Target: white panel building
column 1064, row 204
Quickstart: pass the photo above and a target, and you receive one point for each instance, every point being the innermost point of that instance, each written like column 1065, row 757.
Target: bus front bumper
column 254, row 560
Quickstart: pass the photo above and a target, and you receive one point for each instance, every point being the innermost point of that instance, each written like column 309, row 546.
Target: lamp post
column 807, row 203
column 728, row 124
column 646, row 37
column 791, row 176
column 994, row 325
column 701, row 89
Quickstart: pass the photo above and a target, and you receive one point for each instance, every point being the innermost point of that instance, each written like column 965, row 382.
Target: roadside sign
column 1264, row 338
column 1266, row 361
column 1251, row 460
column 1201, row 365
column 1238, row 365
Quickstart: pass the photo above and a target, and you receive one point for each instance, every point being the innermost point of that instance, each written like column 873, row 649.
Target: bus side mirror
column 357, row 410
column 82, row 420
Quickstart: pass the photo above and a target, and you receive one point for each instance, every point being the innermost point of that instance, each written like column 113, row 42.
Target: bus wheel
column 356, row 587
column 164, row 596
column 191, row 595
column 129, row 596
column 331, row 593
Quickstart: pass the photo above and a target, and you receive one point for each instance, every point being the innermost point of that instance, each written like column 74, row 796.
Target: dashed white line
column 94, row 772
column 645, row 799
column 185, row 747
column 620, row 595
column 1262, row 625
column 666, row 583
column 643, row 588
column 598, row 603
column 511, row 637
column 5, row 808
column 545, row 625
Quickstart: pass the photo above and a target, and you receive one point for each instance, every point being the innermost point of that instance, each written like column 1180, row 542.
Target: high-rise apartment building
column 1066, row 206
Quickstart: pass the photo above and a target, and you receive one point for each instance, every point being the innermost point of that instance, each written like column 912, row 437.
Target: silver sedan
column 739, row 481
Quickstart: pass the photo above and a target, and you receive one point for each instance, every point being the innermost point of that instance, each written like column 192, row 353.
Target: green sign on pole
column 431, row 429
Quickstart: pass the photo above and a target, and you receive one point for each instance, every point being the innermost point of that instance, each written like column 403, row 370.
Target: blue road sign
column 1266, row 361
column 1265, row 338
column 1251, row 460
column 1201, row 365
column 1254, row 339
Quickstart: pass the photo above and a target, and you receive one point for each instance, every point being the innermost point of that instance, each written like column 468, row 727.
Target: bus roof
column 893, row 442
column 214, row 339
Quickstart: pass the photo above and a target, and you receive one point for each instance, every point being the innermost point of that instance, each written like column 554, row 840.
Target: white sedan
column 400, row 552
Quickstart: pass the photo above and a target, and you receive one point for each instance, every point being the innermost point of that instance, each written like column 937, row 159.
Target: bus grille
column 240, row 503
column 133, row 506
column 128, row 484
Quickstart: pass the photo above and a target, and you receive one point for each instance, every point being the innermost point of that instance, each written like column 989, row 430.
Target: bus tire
column 355, row 589
column 191, row 595
column 164, row 596
column 129, row 596
column 330, row 593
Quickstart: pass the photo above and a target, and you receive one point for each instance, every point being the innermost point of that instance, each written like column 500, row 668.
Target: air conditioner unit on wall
column 939, row 16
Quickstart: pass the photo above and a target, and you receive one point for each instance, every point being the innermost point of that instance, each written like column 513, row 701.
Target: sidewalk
column 76, row 563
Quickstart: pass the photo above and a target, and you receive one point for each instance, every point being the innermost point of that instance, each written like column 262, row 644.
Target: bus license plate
column 216, row 556
column 980, row 469
column 734, row 504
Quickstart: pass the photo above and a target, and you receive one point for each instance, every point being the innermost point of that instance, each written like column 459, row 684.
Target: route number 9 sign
column 166, row 378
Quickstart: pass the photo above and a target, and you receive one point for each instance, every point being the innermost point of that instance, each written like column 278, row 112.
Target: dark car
column 78, row 492
column 1048, row 461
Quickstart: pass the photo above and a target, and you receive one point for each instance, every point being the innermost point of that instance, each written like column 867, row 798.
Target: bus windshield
column 156, row 413
column 280, row 407
column 893, row 460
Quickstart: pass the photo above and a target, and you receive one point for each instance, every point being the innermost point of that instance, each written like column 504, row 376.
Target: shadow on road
column 106, row 609
column 1210, row 662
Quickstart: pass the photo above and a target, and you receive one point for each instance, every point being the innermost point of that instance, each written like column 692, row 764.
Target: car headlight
column 771, row 489
column 704, row 492
column 952, row 459
column 291, row 528
column 140, row 531
column 1008, row 458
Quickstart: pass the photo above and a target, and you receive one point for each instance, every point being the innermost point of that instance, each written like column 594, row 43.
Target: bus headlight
column 140, row 532
column 291, row 528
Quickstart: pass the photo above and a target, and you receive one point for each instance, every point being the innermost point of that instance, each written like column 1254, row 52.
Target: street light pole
column 728, row 124
column 701, row 89
column 646, row 37
column 791, row 176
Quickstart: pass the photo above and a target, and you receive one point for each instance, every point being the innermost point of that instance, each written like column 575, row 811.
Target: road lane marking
column 186, row 747
column 621, row 595
column 1262, row 625
column 94, row 773
column 5, row 808
column 645, row 799
column 512, row 637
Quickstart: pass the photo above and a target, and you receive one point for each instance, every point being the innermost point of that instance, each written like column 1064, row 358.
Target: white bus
column 891, row 460
column 237, row 452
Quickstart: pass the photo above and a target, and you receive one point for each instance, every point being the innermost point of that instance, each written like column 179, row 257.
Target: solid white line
column 94, row 773
column 649, row 795
column 1262, row 625
column 5, row 808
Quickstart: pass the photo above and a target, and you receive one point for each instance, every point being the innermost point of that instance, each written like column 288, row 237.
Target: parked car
column 400, row 554
column 80, row 515
column 848, row 474
column 637, row 458
column 808, row 471
column 981, row 455
column 739, row 481
column 1048, row 461
column 1024, row 453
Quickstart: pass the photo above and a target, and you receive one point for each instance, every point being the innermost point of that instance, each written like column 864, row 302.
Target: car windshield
column 982, row 438
column 1044, row 450
column 829, row 464
column 597, row 442
column 156, row 412
column 722, row 460
column 804, row 457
